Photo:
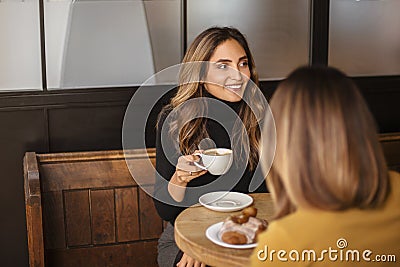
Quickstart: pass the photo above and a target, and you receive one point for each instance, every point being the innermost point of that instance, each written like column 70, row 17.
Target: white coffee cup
column 216, row 160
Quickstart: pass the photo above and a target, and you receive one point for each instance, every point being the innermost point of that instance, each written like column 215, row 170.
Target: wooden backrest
column 84, row 209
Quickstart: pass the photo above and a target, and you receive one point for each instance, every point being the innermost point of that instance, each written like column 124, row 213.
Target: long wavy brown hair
column 328, row 156
column 190, row 132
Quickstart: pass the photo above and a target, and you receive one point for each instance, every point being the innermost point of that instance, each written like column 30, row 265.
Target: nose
column 235, row 73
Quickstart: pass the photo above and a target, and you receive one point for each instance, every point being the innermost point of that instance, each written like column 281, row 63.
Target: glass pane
column 20, row 66
column 164, row 23
column 107, row 43
column 365, row 37
column 277, row 30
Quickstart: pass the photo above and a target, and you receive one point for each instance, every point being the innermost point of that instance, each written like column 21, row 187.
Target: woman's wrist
column 177, row 188
column 175, row 180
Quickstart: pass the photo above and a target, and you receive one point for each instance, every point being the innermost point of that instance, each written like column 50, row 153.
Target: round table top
column 191, row 225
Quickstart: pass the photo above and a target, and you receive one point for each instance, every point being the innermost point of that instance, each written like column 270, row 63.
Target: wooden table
column 191, row 225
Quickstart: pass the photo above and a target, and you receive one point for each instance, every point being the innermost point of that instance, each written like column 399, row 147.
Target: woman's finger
column 196, row 157
column 183, row 261
column 195, row 175
column 187, row 176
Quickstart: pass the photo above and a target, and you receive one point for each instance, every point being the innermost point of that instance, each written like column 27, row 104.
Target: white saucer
column 225, row 201
column 213, row 236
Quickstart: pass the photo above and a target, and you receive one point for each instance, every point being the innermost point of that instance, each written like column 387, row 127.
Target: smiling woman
column 218, row 104
column 229, row 72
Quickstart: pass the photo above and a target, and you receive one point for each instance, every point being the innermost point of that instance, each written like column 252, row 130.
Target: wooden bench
column 84, row 209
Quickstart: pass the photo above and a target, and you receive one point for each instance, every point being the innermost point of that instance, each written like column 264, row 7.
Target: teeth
column 234, row 86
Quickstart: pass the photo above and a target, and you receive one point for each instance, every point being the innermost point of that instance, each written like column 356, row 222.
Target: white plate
column 225, row 201
column 213, row 236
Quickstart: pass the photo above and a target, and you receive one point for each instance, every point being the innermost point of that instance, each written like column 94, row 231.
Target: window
column 277, row 30
column 20, row 67
column 365, row 37
column 110, row 43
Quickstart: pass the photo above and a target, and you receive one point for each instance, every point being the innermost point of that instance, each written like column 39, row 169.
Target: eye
column 222, row 66
column 244, row 64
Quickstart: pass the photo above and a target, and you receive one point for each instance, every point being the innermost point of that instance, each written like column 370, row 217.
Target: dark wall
column 22, row 130
column 383, row 96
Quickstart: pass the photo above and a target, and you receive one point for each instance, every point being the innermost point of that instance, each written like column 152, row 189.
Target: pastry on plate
column 243, row 228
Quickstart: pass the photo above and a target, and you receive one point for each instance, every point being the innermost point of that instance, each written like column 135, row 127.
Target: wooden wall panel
column 53, row 220
column 126, row 255
column 101, row 225
column 144, row 171
column 103, row 216
column 86, row 174
column 77, row 213
column 151, row 224
column 127, row 214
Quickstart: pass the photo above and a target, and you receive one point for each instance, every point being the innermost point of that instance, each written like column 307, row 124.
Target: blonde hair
column 191, row 132
column 328, row 155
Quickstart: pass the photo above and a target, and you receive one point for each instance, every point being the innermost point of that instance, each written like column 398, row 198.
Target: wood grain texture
column 77, row 213
column 97, row 155
column 31, row 175
column 33, row 211
column 92, row 215
column 35, row 236
column 97, row 169
column 53, row 217
column 151, row 225
column 85, row 174
column 127, row 214
column 103, row 216
column 140, row 254
column 193, row 222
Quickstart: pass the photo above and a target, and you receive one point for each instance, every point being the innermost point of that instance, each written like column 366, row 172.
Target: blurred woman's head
column 327, row 154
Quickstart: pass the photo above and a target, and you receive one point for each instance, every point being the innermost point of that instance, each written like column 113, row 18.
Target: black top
column 231, row 181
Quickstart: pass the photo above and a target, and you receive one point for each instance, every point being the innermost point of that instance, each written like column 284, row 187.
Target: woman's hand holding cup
column 186, row 170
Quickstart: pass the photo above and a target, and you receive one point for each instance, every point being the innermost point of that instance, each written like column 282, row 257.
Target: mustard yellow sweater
column 324, row 238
